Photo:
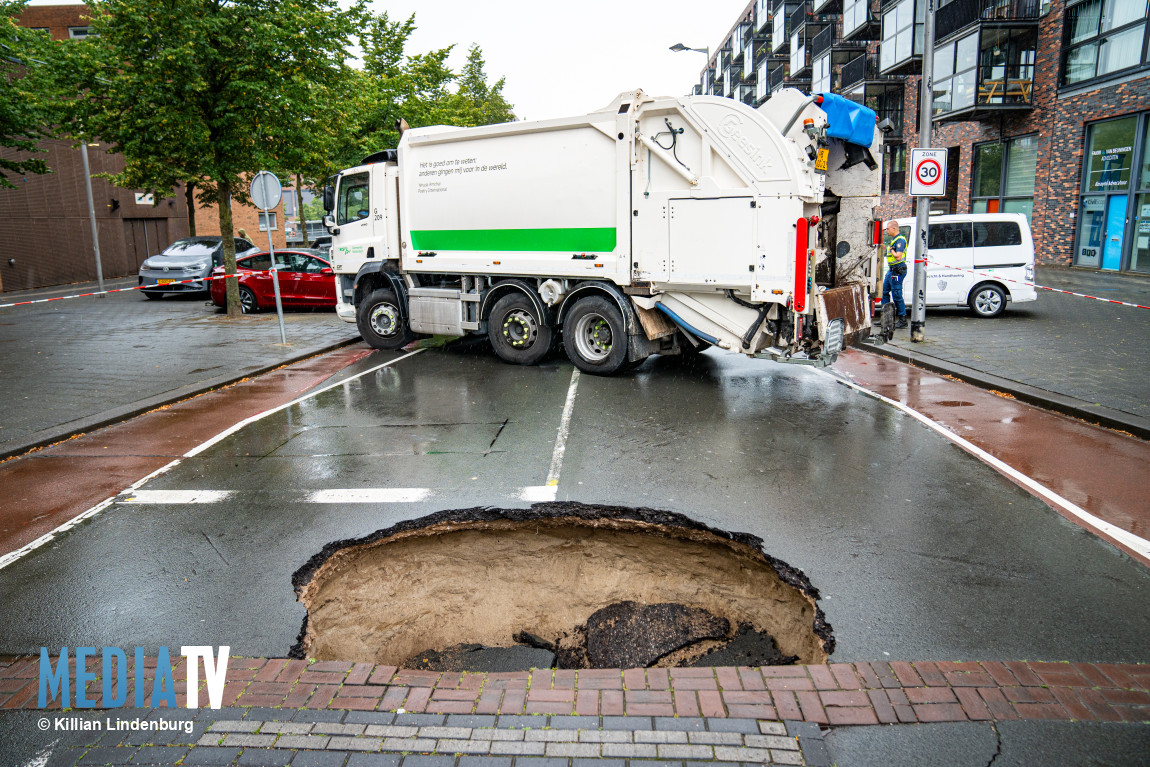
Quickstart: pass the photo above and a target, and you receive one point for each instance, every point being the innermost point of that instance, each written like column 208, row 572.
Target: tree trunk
column 299, row 208
column 190, row 196
column 224, row 199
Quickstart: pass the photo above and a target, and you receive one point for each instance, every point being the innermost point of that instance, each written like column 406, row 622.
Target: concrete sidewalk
column 1073, row 355
column 73, row 365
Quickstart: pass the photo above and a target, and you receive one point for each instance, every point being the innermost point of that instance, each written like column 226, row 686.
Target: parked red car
column 306, row 280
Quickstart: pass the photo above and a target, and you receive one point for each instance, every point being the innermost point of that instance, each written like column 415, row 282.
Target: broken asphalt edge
column 65, row 431
column 1032, row 395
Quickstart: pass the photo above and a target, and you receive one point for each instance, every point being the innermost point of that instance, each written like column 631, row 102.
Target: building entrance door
column 1115, row 229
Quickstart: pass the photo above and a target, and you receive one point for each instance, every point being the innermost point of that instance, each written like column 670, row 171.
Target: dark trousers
column 892, row 283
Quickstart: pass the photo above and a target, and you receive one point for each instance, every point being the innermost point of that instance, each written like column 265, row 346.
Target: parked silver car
column 191, row 258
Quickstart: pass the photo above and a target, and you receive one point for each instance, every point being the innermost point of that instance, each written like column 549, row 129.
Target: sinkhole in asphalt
column 559, row 584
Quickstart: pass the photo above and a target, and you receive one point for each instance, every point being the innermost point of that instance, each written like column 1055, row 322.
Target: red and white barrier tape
column 1033, row 284
column 134, row 287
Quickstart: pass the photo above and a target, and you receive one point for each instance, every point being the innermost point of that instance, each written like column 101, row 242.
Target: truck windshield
column 353, row 203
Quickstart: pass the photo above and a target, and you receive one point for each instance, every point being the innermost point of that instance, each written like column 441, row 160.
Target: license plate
column 164, row 282
column 821, row 160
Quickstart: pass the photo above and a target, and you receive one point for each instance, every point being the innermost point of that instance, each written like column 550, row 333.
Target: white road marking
column 1127, row 538
column 538, row 493
column 564, row 429
column 371, row 495
column 175, row 496
column 20, row 553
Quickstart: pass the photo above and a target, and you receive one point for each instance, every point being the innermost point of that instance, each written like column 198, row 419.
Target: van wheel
column 987, row 301
column 516, row 332
column 595, row 337
column 380, row 321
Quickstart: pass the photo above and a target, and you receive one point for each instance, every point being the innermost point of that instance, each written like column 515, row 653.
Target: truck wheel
column 517, row 334
column 380, row 322
column 595, row 337
column 987, row 301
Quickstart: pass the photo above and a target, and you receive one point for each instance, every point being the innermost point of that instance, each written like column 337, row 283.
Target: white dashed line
column 371, row 495
column 564, row 429
column 173, row 497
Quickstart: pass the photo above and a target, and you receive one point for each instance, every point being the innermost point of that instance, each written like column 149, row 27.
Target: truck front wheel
column 517, row 333
column 595, row 337
column 381, row 323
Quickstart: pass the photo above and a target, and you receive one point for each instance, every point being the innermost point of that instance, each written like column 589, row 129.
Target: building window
column 901, row 33
column 779, row 29
column 1006, row 65
column 798, row 51
column 1004, row 176
column 954, row 78
column 265, row 219
column 1114, row 212
column 79, row 33
column 854, row 15
column 821, row 75
column 897, row 164
column 1103, row 37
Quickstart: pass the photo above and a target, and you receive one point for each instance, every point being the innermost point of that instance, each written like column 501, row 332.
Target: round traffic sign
column 266, row 190
column 928, row 172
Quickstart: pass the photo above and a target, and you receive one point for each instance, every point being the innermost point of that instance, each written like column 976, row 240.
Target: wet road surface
column 920, row 550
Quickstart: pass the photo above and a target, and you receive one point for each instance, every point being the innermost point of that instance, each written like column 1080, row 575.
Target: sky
column 564, row 59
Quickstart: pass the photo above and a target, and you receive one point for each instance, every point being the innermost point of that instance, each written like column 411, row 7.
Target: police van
column 978, row 260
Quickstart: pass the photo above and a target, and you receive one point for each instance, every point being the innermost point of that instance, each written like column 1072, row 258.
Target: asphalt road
column 919, row 550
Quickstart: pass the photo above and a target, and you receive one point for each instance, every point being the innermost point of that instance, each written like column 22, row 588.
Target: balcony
column 862, row 70
column 988, row 71
column 821, row 43
column 960, row 14
column 777, row 76
column 797, row 18
column 826, row 6
column 860, row 20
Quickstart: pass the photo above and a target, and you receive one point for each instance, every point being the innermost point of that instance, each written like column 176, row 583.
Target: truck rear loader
column 652, row 226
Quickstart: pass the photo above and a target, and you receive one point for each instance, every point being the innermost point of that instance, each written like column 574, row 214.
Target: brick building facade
column 45, row 232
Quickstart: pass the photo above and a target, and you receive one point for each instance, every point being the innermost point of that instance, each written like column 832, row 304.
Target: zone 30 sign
column 928, row 172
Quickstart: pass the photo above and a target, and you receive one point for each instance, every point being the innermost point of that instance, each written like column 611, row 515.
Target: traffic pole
column 275, row 276
column 92, row 215
column 922, row 217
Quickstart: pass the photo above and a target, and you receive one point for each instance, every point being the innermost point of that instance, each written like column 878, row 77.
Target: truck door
column 353, row 218
column 712, row 241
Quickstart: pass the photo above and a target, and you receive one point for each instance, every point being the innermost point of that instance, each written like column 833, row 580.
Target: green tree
column 22, row 117
column 211, row 91
column 476, row 102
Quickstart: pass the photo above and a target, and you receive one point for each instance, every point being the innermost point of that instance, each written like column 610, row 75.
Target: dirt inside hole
column 596, row 586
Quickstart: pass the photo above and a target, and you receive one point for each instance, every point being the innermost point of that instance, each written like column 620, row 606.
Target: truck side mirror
column 329, row 198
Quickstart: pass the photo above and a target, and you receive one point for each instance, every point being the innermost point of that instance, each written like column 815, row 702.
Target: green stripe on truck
column 585, row 239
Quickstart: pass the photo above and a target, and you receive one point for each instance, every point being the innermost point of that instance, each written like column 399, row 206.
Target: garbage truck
column 651, row 226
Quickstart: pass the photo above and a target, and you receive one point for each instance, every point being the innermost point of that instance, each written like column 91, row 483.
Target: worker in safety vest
column 895, row 272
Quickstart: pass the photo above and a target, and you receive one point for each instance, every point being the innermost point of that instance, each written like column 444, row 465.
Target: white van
column 978, row 260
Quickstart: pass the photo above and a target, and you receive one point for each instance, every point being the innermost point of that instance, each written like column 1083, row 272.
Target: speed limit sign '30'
column 928, row 172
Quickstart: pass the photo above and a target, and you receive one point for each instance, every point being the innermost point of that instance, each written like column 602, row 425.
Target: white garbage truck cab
column 652, row 226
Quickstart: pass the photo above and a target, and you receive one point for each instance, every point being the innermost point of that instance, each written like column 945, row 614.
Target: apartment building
column 1043, row 105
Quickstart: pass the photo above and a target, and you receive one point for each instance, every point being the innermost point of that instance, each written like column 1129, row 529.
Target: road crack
column 218, row 552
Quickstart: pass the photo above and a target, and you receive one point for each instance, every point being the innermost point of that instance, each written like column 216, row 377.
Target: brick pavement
column 1088, row 350
column 69, row 366
column 834, row 694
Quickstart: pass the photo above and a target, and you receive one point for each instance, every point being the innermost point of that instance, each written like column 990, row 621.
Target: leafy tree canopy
column 22, row 117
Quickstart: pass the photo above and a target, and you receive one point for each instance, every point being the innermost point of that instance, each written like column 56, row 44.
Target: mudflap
column 886, row 324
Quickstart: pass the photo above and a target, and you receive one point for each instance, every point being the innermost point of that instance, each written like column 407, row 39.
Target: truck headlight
column 833, row 344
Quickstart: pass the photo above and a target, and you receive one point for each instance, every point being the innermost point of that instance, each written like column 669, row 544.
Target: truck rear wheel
column 381, row 323
column 595, row 337
column 517, row 333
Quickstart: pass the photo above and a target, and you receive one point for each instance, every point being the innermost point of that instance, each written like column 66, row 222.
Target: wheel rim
column 593, row 337
column 247, row 302
column 520, row 329
column 385, row 319
column 988, row 302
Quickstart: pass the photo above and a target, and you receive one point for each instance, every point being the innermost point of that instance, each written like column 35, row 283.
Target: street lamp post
column 678, row 47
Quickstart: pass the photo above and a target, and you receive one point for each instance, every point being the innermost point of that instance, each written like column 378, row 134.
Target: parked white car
column 979, row 260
